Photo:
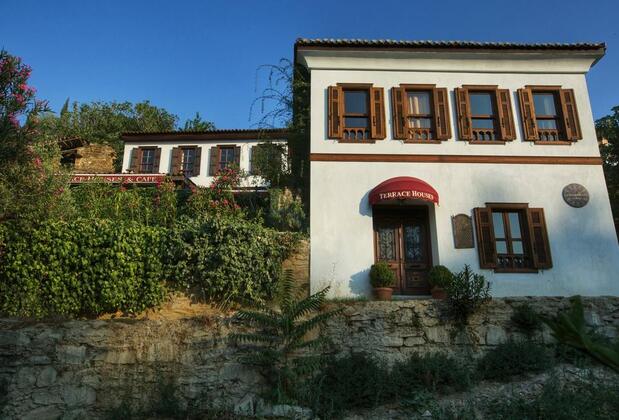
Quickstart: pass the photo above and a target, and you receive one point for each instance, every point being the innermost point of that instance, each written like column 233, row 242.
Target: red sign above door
column 403, row 188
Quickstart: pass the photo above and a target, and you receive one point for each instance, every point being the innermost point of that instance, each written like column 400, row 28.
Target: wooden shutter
column 135, row 160
column 378, row 113
column 506, row 117
column 237, row 156
column 441, row 111
column 398, row 112
column 485, row 237
column 539, row 238
column 335, row 112
column 570, row 115
column 527, row 113
column 463, row 108
column 213, row 164
column 156, row 160
column 198, row 162
column 177, row 154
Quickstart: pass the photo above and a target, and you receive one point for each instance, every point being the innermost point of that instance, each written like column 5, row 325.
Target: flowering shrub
column 218, row 197
column 33, row 187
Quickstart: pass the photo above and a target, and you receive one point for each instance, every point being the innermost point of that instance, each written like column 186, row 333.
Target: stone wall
column 94, row 159
column 84, row 368
column 298, row 262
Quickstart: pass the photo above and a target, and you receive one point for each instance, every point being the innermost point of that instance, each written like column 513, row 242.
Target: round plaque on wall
column 575, row 195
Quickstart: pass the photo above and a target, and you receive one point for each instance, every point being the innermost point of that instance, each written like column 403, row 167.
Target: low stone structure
column 87, row 367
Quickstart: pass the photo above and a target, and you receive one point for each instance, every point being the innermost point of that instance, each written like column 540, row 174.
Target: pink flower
column 38, row 162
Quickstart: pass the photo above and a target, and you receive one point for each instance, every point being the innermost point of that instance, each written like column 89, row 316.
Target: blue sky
column 189, row 56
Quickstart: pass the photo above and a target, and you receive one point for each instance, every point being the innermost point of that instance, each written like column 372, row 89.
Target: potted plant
column 439, row 277
column 382, row 279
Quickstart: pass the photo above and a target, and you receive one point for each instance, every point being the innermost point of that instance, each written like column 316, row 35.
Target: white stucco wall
column 203, row 179
column 583, row 241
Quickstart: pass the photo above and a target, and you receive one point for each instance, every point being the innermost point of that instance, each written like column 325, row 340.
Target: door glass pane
column 386, row 244
column 501, row 247
column 517, row 247
column 514, row 225
column 497, row 222
column 544, row 103
column 413, row 243
column 356, row 101
column 481, row 103
column 419, row 102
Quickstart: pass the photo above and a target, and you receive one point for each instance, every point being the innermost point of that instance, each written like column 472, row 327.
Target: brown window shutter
column 336, row 114
column 177, row 154
column 485, row 237
column 156, row 160
column 378, row 113
column 441, row 111
column 539, row 238
column 463, row 108
column 135, row 160
column 237, row 156
column 197, row 162
column 570, row 115
column 506, row 117
column 527, row 112
column 397, row 111
column 213, row 161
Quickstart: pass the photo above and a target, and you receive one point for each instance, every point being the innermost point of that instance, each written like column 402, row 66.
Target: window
column 226, row 157
column 145, row 160
column 420, row 114
column 549, row 114
column 146, row 163
column 356, row 113
column 484, row 114
column 512, row 238
column 188, row 160
column 223, row 157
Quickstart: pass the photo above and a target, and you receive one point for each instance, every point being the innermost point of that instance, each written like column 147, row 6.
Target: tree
column 608, row 129
column 32, row 185
column 198, row 124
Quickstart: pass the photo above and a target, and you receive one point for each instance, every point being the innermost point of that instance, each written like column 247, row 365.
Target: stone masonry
column 84, row 368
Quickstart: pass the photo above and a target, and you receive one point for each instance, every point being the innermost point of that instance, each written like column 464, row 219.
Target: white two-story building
column 198, row 156
column 453, row 153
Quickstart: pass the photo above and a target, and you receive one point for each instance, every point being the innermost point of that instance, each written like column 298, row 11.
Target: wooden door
column 402, row 240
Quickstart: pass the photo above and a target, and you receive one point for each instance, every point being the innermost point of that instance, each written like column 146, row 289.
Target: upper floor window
column 186, row 160
column 512, row 237
column 223, row 157
column 356, row 113
column 484, row 114
column 145, row 160
column 549, row 114
column 420, row 113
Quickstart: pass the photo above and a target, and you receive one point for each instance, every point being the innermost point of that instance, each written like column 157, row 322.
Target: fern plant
column 569, row 328
column 280, row 343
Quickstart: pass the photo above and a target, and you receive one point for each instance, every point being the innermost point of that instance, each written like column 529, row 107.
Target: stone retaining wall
column 78, row 369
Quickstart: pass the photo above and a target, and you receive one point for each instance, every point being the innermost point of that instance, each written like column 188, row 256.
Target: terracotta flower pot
column 383, row 293
column 438, row 293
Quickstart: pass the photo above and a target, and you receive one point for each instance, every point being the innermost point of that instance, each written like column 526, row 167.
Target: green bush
column 514, row 358
column 350, row 382
column 440, row 276
column 227, row 257
column 526, row 319
column 381, row 275
column 466, row 294
column 432, row 372
column 82, row 267
column 285, row 211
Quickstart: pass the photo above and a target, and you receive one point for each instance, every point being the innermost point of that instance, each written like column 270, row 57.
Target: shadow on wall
column 360, row 283
column 364, row 205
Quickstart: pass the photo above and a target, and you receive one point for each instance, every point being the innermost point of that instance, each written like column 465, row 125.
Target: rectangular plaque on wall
column 463, row 231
